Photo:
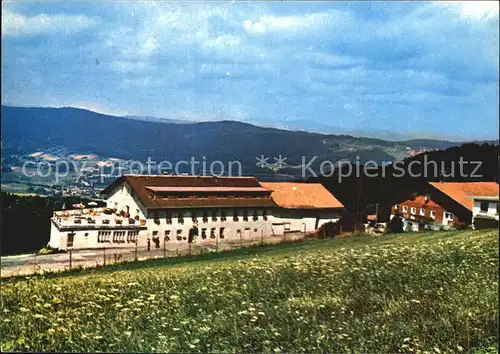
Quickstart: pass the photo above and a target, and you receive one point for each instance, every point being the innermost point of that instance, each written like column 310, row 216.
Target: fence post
column 70, row 258
column 241, row 239
column 164, row 247
column 104, row 252
column 34, row 263
column 262, row 236
column 135, row 252
column 116, row 258
column 217, row 243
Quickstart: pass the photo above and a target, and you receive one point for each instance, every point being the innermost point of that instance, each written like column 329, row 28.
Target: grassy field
column 429, row 292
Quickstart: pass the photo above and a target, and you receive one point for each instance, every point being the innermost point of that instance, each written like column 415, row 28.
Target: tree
column 396, row 225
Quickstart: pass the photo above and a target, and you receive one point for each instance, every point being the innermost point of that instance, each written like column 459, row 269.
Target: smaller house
column 422, row 213
column 302, row 207
column 485, row 212
column 443, row 205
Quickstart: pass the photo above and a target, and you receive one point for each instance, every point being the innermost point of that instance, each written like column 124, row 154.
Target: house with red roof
column 444, row 205
column 160, row 210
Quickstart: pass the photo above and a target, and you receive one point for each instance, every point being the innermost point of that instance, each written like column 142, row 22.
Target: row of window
column 212, row 215
column 118, row 236
column 422, row 212
column 204, row 233
column 180, row 236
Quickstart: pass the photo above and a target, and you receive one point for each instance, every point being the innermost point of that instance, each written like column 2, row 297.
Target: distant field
column 14, row 188
column 426, row 292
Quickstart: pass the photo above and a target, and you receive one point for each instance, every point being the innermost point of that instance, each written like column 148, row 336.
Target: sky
column 429, row 69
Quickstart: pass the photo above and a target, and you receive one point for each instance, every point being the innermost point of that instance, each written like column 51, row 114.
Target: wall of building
column 300, row 220
column 92, row 239
column 429, row 207
column 55, row 237
column 121, row 197
column 275, row 223
column 423, row 210
column 410, row 225
column 485, row 219
column 178, row 231
column 492, row 208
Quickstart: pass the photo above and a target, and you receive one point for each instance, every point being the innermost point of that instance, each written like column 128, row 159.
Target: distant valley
column 49, row 134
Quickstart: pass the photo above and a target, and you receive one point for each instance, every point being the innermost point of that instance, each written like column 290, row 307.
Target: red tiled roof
column 214, row 203
column 147, row 188
column 462, row 192
column 206, row 189
column 302, row 195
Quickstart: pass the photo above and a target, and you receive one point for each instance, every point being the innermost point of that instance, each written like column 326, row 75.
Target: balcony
column 98, row 218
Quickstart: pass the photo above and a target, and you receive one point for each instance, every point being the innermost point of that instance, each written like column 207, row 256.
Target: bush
column 49, row 250
column 396, row 225
column 46, row 250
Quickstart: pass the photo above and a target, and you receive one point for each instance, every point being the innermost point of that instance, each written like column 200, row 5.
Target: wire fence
column 89, row 258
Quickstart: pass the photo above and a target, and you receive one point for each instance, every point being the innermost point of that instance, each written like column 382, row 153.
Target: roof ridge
column 185, row 175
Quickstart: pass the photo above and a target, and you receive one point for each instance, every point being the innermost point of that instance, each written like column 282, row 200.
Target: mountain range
column 29, row 129
column 307, row 125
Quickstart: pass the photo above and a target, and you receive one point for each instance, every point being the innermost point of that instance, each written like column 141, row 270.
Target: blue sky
column 427, row 69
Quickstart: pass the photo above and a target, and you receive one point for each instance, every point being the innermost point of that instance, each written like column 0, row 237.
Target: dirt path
column 27, row 264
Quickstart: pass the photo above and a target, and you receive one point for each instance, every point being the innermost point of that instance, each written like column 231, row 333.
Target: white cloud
column 223, row 42
column 480, row 10
column 473, row 10
column 281, row 24
column 15, row 24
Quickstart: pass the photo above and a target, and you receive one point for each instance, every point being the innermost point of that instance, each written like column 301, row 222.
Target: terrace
column 95, row 218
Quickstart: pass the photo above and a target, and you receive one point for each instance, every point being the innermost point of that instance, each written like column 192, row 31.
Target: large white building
column 169, row 209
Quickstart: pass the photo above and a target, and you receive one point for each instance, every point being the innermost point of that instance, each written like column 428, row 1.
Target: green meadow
column 413, row 293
